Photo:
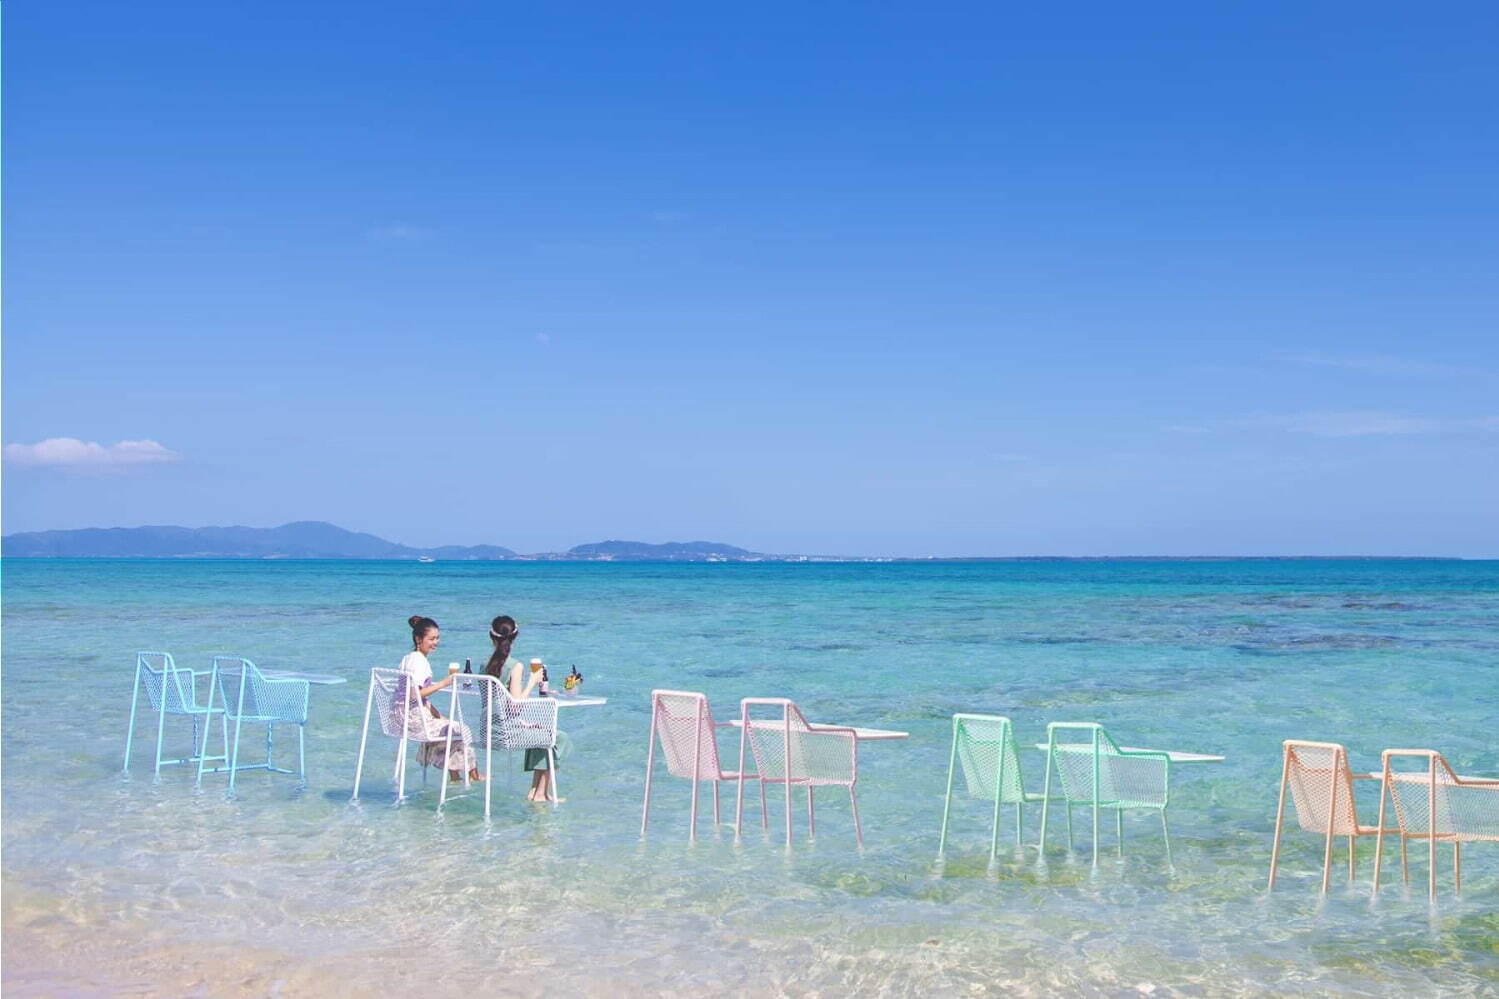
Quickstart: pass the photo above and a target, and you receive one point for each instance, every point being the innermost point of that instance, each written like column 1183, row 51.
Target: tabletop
column 576, row 700
column 1174, row 755
column 316, row 679
column 862, row 734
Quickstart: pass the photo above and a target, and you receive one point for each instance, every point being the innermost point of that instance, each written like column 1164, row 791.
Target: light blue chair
column 171, row 691
column 1094, row 771
column 247, row 695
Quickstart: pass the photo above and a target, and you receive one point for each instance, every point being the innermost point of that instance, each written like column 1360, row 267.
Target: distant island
column 316, row 539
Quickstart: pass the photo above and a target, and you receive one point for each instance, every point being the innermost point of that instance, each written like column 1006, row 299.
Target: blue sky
column 843, row 278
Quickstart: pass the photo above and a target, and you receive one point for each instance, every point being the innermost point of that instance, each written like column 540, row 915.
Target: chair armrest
column 1145, row 754
column 1366, row 777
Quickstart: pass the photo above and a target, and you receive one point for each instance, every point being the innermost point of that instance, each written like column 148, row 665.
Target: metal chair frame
column 172, row 690
column 1336, row 821
column 260, row 688
column 705, row 730
column 523, row 720
column 793, row 722
column 1101, row 747
column 417, row 726
column 1443, row 821
column 1010, row 792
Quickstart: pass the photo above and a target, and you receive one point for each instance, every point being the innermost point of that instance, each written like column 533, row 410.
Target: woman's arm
column 521, row 689
column 446, row 681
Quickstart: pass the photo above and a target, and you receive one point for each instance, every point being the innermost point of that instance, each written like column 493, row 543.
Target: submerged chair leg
column 952, row 759
column 130, row 732
column 1166, row 834
column 999, row 783
column 811, row 814
column 650, row 760
column 364, row 735
column 302, row 752
column 717, row 819
column 1019, row 817
column 853, row 802
column 1457, row 866
column 1280, row 814
column 1119, row 828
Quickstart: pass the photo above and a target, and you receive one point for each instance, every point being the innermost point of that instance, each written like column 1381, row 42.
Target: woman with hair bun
column 424, row 638
column 520, row 682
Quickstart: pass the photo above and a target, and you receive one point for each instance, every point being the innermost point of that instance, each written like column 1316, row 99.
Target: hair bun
column 414, row 620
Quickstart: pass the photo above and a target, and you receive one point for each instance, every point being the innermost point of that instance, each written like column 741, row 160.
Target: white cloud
column 70, row 452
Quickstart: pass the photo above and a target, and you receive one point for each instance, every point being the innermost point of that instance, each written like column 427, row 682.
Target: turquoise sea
column 119, row 884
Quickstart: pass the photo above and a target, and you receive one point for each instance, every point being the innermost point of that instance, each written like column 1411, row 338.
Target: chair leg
column 401, row 771
column 1166, row 834
column 161, row 727
column 650, row 760
column 1405, row 866
column 207, row 726
column 854, row 804
column 811, row 815
column 692, row 826
column 364, row 734
column 552, row 775
column 1019, row 817
column 717, row 817
column 1069, row 827
column 269, row 728
column 1119, row 828
column 130, row 732
column 764, row 810
column 952, row 760
column 1045, row 807
column 302, row 753
column 234, row 762
column 488, row 772
column 1457, row 865
column 1280, row 815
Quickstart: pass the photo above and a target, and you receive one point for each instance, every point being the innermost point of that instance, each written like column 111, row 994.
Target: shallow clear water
column 120, row 883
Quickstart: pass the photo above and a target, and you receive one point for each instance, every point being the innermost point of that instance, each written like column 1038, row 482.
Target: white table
column 576, row 700
column 1174, row 755
column 316, row 679
column 862, row 734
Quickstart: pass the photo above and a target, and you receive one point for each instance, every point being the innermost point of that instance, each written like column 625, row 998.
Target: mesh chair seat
column 1099, row 774
column 791, row 752
column 170, row 690
column 985, row 752
column 248, row 696
column 1436, row 805
column 682, row 722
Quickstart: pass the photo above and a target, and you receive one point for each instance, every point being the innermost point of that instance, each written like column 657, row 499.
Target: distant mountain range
column 315, row 539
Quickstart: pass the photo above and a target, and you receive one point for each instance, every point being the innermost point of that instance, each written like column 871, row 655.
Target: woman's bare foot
column 475, row 776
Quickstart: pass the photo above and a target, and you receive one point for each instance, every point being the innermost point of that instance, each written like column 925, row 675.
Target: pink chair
column 685, row 724
column 789, row 750
column 1434, row 804
column 1321, row 784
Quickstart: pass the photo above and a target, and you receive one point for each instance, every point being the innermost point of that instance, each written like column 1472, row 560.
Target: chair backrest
column 398, row 704
column 1321, row 786
column 1125, row 780
column 248, row 694
column 507, row 723
column 160, row 678
column 988, row 755
column 817, row 756
column 1465, row 809
column 684, row 722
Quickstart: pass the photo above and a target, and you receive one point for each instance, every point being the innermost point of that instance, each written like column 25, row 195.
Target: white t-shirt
column 415, row 665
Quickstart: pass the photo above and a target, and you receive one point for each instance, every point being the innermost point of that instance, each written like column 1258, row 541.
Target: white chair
column 791, row 751
column 684, row 722
column 504, row 723
column 398, row 704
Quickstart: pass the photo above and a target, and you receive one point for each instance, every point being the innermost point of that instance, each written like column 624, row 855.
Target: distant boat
column 425, row 558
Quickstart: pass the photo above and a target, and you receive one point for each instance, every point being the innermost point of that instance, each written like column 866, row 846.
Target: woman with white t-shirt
column 424, row 638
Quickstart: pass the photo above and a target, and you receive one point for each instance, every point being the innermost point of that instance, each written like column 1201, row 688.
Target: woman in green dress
column 521, row 682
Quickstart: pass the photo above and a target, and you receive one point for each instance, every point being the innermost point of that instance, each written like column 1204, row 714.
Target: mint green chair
column 985, row 747
column 1098, row 773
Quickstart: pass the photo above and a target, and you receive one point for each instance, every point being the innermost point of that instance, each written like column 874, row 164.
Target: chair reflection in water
column 683, row 723
column 791, row 752
column 171, row 690
column 245, row 695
